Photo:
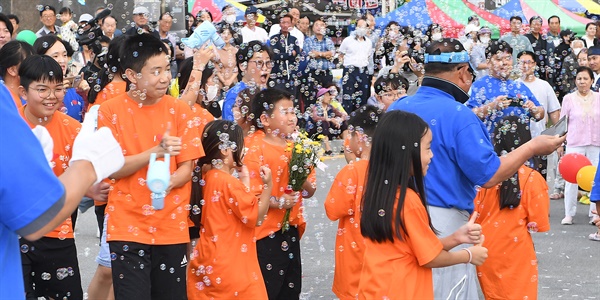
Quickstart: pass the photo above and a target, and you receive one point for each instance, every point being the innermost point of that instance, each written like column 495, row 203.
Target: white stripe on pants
column 591, row 152
column 458, row 281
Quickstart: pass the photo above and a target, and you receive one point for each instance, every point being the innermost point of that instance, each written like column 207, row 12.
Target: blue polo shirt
column 595, row 194
column 463, row 156
column 229, row 101
column 486, row 89
column 73, row 104
column 27, row 203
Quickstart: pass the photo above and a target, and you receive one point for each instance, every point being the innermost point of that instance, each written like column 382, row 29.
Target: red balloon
column 570, row 164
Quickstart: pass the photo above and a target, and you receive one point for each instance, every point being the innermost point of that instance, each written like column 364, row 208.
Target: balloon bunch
column 576, row 168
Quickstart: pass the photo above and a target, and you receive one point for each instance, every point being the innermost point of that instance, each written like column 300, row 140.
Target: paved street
column 569, row 263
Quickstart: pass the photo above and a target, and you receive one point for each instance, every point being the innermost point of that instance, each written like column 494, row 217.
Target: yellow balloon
column 585, row 177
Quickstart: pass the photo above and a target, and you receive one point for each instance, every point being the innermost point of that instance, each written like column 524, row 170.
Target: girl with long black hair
column 401, row 243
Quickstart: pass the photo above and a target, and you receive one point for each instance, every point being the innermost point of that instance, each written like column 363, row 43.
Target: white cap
column 470, row 28
column 85, row 18
column 141, row 10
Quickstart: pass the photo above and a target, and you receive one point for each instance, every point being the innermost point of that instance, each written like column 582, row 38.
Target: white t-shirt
column 545, row 95
column 295, row 32
column 356, row 52
column 588, row 42
column 258, row 34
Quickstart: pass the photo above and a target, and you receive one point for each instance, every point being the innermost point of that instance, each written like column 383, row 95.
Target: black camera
column 89, row 33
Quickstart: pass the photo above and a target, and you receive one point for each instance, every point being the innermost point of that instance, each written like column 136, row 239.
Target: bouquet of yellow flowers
column 306, row 154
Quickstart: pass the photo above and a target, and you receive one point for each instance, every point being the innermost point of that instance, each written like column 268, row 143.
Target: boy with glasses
column 255, row 64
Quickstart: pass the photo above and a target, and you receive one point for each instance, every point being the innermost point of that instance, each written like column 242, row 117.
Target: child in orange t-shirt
column 278, row 250
column 508, row 214
column 401, row 244
column 343, row 203
column 150, row 243
column 189, row 78
column 50, row 266
column 224, row 263
column 109, row 82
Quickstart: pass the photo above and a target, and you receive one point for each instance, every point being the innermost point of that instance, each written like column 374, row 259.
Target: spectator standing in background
column 251, row 32
column 356, row 52
column 319, row 50
column 48, row 18
column 140, row 20
column 294, row 31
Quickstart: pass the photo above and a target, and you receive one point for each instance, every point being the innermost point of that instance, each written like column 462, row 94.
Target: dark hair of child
column 139, row 48
column 365, row 119
column 512, row 132
column 264, row 103
column 40, row 68
column 390, row 82
column 12, row 54
column 395, row 164
column 216, row 137
column 112, row 69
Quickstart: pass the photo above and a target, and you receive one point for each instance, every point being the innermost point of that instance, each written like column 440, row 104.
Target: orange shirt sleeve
column 200, row 117
column 245, row 204
column 190, row 138
column 253, row 160
column 340, row 199
column 535, row 196
column 422, row 240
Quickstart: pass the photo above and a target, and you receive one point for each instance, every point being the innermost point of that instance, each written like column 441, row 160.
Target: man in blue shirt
column 495, row 96
column 31, row 209
column 464, row 155
column 319, row 50
column 254, row 62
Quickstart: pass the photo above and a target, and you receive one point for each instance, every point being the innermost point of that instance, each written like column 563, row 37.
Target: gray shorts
column 103, row 257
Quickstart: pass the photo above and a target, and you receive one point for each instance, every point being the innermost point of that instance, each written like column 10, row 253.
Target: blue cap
column 251, row 10
column 448, row 57
column 594, row 50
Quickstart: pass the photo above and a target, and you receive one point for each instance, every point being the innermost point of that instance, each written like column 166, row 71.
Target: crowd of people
column 447, row 162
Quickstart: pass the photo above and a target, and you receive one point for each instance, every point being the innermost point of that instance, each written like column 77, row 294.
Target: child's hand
column 288, row 201
column 202, row 56
column 478, row 253
column 99, row 191
column 469, row 233
column 265, row 175
column 169, row 144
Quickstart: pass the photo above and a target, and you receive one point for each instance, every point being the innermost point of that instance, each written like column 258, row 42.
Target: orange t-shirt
column 343, row 204
column 111, row 90
column 137, row 129
column 17, row 99
column 395, row 270
column 224, row 264
column 201, row 117
column 63, row 130
column 261, row 153
column 511, row 270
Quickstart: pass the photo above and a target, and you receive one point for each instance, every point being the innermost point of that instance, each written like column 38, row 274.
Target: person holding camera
column 495, row 96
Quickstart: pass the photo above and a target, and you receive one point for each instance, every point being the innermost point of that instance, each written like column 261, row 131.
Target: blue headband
column 449, row 58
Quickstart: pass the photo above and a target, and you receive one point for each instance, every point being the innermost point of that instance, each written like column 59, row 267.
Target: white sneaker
column 568, row 220
column 97, row 232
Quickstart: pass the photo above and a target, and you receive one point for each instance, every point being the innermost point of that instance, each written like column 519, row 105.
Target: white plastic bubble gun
column 158, row 179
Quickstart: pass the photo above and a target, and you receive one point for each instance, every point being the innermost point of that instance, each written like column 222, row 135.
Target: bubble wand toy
column 157, row 179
